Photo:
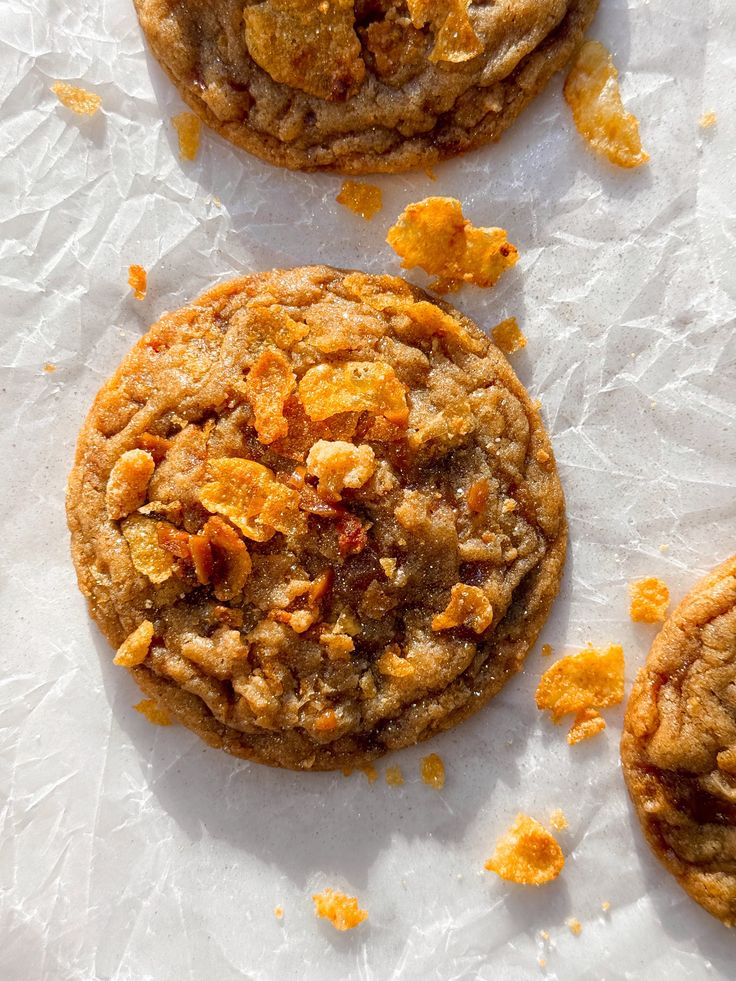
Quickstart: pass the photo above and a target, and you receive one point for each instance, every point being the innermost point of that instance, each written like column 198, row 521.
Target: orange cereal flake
column 356, row 386
column 468, row 607
column 362, row 199
column 154, row 712
column 134, row 648
column 546, row 650
column 589, row 679
column 587, row 723
column 342, row 911
column 455, row 38
column 81, row 101
column 592, row 93
column 128, row 483
column 434, row 235
column 708, row 119
column 574, row 925
column 337, row 464
column 649, row 600
column 508, row 336
column 433, row 771
column 138, row 280
column 309, row 46
column 527, row 854
column 392, row 664
column 49, row 368
column 148, row 557
column 394, row 776
column 188, row 130
column 268, row 385
column 605, row 905
column 252, row 498
column 558, row 820
column 278, row 912
column 542, row 456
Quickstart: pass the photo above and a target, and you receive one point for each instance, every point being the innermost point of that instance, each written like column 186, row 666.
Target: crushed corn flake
column 455, row 38
column 589, row 679
column 138, row 281
column 708, row 119
column 394, row 776
column 355, row 386
column 252, row 498
column 148, row 557
column 527, row 854
column 558, row 820
column 605, row 906
column 587, row 723
column 342, row 911
column 649, row 600
column 134, row 648
column 391, row 664
column 362, row 199
column 546, row 650
column 468, row 606
column 508, row 336
column 81, row 101
column 154, row 712
column 433, row 771
column 128, row 482
column 188, row 130
column 338, row 464
column 49, row 368
column 268, row 385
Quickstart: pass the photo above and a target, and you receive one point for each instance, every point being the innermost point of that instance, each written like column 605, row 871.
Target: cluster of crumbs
column 508, row 336
column 362, row 199
column 342, row 911
column 188, row 130
column 81, row 101
column 153, row 712
column 583, row 683
column 649, row 600
column 433, row 771
column 527, row 854
column 592, row 93
column 434, row 235
column 138, row 280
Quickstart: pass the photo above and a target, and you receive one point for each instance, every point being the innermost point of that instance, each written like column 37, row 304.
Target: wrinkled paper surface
column 132, row 852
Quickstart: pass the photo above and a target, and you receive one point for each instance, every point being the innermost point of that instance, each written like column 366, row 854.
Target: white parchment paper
column 131, row 852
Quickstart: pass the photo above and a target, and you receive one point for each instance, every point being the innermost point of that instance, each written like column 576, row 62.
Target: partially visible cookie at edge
column 679, row 743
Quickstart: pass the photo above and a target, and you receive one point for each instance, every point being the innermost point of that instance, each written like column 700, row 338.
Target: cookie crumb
column 527, row 854
column 605, row 906
column 138, row 279
column 708, row 119
column 433, row 771
column 370, row 772
column 81, row 101
column 649, row 600
column 278, row 912
column 590, row 679
column 49, row 368
column 558, row 820
column 394, row 776
column 508, row 336
column 342, row 911
column 547, row 650
column 365, row 200
column 542, row 456
column 188, row 129
column 542, row 962
column 154, row 712
column 574, row 926
column 455, row 39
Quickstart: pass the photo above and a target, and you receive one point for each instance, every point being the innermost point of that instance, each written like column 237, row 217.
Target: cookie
column 318, row 515
column 679, row 744
column 366, row 86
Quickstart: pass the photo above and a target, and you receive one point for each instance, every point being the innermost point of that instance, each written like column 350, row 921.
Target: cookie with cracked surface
column 679, row 744
column 290, row 514
column 361, row 86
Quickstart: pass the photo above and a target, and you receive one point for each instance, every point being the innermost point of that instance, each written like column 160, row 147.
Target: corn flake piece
column 527, row 854
column 308, row 45
column 455, row 39
column 81, row 101
column 592, row 93
column 362, row 199
column 154, row 712
column 337, row 464
column 589, row 679
column 587, row 723
column 369, row 772
column 649, row 600
column 342, row 911
column 138, row 280
column 433, row 771
column 188, row 130
column 134, row 648
column 574, row 926
column 469, row 606
column 356, row 386
column 546, row 650
column 128, row 483
column 269, row 384
column 391, row 664
column 434, row 235
column 218, row 552
column 250, row 496
column 146, row 554
column 508, row 336
column 394, row 776
column 708, row 119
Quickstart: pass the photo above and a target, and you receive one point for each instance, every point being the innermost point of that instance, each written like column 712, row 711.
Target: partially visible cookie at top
column 679, row 743
column 361, row 86
column 318, row 516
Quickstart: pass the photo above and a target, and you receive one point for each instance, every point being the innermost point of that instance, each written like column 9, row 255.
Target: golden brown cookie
column 318, row 515
column 679, row 743
column 364, row 86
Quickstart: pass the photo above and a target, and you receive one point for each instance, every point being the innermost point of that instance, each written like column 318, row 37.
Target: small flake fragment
column 154, row 712
column 434, row 235
column 546, row 650
column 574, row 925
column 605, row 906
column 508, row 336
column 433, row 771
column 252, row 498
column 455, row 38
column 392, row 664
column 138, row 280
column 342, row 911
column 278, row 912
column 649, row 600
column 128, row 483
column 146, row 554
column 81, row 101
column 558, row 820
column 49, row 368
column 478, row 495
column 394, row 776
column 362, row 199
column 370, row 772
column 389, row 567
column 188, row 130
column 469, row 606
column 708, row 119
column 527, row 854
column 268, row 385
column 593, row 95
column 589, row 679
column 588, row 723
column 134, row 648
column 356, row 386
column 337, row 464
column 542, row 456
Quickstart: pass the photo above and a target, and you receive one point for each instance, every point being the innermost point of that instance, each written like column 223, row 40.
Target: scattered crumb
column 278, row 912
column 587, row 723
column 394, row 776
column 370, row 772
column 542, row 962
column 508, row 336
column 558, row 820
column 605, row 906
column 347, row 771
column 574, row 925
column 138, row 280
column 362, row 199
column 134, row 649
column 664, row 548
column 542, row 456
column 708, row 119
column 188, row 129
column 342, row 911
column 433, row 771
column 430, row 173
column 527, row 853
column 649, row 600
column 547, row 650
column 216, row 201
column 49, row 368
column 81, row 101
column 153, row 712
column 544, row 934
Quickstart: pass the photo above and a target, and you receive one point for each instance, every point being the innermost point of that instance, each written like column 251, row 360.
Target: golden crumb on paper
column 361, row 198
column 558, row 820
column 544, row 934
column 592, row 93
column 547, row 650
column 188, row 129
column 508, row 336
column 649, row 600
column 527, row 854
column 394, row 776
column 370, row 772
column 605, row 906
column 433, row 771
column 574, row 925
column 434, row 235
column 589, row 679
column 153, row 712
column 278, row 912
column 342, row 911
column 455, row 38
column 138, row 280
column 708, row 119
column 81, row 101
column 49, row 368
column 587, row 723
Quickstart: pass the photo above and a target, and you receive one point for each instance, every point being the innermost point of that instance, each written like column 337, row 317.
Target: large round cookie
column 334, row 505
column 365, row 86
column 679, row 743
